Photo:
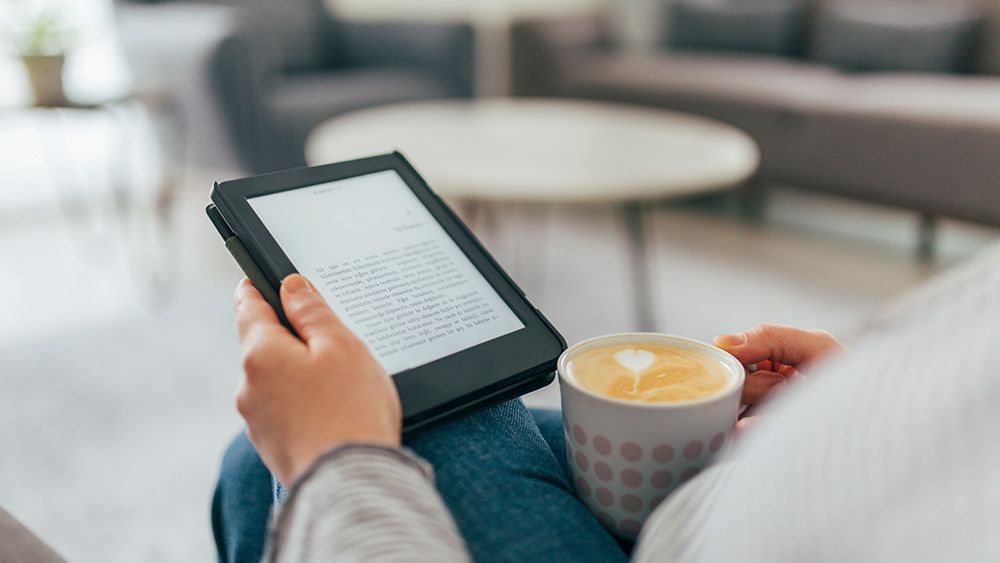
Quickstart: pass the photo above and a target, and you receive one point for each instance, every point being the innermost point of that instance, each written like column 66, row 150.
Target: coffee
column 649, row 372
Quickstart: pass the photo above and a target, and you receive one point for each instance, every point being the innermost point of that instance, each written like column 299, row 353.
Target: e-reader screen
column 387, row 268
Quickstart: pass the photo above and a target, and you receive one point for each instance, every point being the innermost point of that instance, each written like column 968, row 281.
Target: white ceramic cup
column 627, row 456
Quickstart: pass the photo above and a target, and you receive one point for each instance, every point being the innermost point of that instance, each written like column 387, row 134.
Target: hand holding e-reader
column 401, row 271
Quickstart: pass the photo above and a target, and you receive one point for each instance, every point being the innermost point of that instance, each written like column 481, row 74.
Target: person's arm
column 773, row 355
column 365, row 503
column 324, row 416
column 18, row 543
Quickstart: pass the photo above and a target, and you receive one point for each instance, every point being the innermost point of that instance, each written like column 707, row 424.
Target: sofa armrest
column 243, row 71
column 540, row 49
column 447, row 49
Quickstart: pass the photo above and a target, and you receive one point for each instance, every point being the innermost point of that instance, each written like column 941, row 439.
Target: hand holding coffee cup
column 642, row 414
column 776, row 353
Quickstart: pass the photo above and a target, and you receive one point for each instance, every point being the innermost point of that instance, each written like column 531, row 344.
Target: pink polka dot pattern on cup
column 581, row 461
column 631, row 451
column 630, row 526
column 689, row 473
column 602, row 445
column 716, row 442
column 664, row 453
column 630, row 477
column 655, row 502
column 603, row 471
column 661, row 479
column 604, row 496
column 693, row 449
column 631, row 503
column 583, row 487
column 606, row 519
column 579, row 435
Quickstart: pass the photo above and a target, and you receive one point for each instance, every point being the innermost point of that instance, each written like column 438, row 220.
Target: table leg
column 168, row 131
column 71, row 182
column 493, row 58
column 645, row 316
column 927, row 233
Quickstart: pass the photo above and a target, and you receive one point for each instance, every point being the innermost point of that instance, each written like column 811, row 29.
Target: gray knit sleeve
column 365, row 503
column 18, row 543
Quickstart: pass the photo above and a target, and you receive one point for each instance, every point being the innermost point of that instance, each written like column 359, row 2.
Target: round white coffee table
column 551, row 151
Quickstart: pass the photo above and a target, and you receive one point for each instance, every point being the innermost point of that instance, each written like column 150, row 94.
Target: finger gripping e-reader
column 401, row 271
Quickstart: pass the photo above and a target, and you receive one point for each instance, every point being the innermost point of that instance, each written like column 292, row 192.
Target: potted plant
column 40, row 40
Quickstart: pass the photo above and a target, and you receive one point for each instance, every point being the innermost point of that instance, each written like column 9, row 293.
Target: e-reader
column 402, row 271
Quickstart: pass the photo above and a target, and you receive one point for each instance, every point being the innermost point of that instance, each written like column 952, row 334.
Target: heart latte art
column 649, row 372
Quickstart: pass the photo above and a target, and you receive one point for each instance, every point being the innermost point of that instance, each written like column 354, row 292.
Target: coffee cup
column 630, row 444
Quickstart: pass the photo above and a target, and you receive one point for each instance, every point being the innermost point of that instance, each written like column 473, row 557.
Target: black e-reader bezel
column 499, row 369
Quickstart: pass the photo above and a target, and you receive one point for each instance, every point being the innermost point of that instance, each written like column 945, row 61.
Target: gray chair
column 278, row 69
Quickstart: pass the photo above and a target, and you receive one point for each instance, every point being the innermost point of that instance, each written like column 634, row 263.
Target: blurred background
column 687, row 166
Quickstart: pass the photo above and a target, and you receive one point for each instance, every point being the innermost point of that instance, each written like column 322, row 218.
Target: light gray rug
column 110, row 437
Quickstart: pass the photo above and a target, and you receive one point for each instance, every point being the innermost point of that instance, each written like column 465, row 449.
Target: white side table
column 106, row 166
column 551, row 151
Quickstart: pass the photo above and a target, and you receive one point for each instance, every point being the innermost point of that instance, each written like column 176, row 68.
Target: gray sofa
column 272, row 71
column 853, row 101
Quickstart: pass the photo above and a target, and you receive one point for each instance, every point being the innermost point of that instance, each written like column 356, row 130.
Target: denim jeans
column 501, row 471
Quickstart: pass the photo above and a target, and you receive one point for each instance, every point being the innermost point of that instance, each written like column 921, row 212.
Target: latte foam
column 649, row 372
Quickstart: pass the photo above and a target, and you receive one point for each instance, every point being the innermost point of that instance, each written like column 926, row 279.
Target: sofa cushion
column 927, row 142
column 884, row 35
column 302, row 100
column 743, row 80
column 759, row 95
column 755, row 26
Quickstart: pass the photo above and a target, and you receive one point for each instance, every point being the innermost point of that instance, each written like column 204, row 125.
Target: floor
column 118, row 359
